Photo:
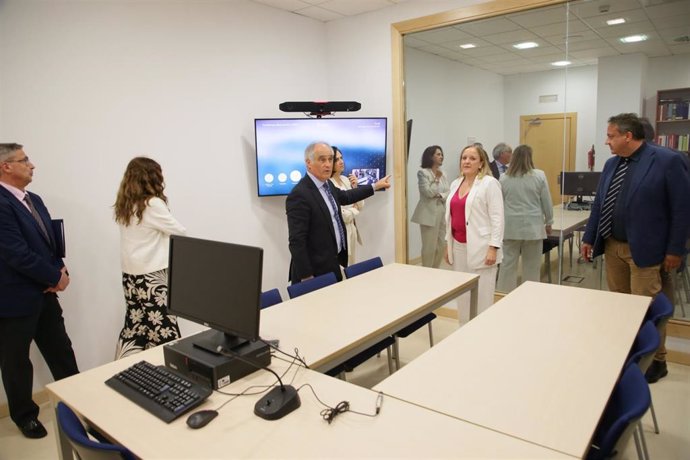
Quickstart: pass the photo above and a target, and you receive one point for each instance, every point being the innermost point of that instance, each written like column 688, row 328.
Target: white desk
column 401, row 430
column 331, row 325
column 539, row 365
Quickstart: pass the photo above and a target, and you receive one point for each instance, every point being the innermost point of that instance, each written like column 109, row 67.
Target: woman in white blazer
column 528, row 216
column 429, row 212
column 145, row 222
column 474, row 223
column 349, row 211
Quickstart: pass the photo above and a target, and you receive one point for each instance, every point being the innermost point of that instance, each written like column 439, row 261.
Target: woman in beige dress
column 429, row 212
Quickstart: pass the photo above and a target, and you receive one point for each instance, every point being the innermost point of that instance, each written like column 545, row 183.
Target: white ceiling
column 328, row 10
column 583, row 22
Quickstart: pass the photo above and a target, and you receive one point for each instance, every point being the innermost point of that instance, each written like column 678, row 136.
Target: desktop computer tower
column 213, row 369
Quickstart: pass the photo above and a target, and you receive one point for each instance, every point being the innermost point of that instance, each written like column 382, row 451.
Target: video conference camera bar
column 320, row 108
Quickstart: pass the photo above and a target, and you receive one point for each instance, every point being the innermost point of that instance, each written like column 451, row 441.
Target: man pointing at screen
column 316, row 231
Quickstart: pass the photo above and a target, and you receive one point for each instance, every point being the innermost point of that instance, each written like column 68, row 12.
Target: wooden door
column 552, row 138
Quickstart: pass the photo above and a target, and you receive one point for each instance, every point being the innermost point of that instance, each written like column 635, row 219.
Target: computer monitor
column 280, row 144
column 218, row 285
column 579, row 183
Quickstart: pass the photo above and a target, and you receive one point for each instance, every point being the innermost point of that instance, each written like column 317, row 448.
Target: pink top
column 457, row 218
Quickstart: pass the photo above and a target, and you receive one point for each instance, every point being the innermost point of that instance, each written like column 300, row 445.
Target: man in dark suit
column 640, row 217
column 502, row 154
column 315, row 224
column 31, row 274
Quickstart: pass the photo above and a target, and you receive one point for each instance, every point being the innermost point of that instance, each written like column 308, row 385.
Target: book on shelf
column 672, row 109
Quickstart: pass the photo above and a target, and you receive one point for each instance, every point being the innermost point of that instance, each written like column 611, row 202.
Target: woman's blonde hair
column 521, row 162
column 142, row 181
column 484, row 169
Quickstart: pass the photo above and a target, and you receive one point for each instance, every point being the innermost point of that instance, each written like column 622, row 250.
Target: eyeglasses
column 24, row 160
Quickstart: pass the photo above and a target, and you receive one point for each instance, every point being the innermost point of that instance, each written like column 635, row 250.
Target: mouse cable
column 330, row 413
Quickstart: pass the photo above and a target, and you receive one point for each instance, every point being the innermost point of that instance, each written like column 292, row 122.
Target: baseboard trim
column 40, row 398
column 678, row 357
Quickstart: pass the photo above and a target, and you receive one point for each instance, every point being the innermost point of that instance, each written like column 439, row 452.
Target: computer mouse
column 201, row 418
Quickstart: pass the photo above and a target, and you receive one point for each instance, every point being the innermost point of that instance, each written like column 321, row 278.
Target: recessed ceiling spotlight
column 615, row 22
column 561, row 63
column 634, row 38
column 525, row 45
column 467, row 46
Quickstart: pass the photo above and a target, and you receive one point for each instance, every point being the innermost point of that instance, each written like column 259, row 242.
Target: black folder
column 59, row 232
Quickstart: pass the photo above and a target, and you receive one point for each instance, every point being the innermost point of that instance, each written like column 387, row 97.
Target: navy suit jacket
column 494, row 169
column 657, row 210
column 312, row 239
column 28, row 260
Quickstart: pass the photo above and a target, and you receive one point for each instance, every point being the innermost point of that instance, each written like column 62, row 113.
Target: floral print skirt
column 147, row 323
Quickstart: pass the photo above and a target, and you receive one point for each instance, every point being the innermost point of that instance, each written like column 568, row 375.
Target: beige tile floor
column 671, row 397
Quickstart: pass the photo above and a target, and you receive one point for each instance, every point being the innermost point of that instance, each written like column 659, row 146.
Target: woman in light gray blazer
column 528, row 219
column 429, row 213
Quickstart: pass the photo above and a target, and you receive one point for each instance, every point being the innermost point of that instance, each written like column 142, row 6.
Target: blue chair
column 363, row 267
column 645, row 345
column 270, row 298
column 307, row 286
column 660, row 311
column 629, row 401
column 642, row 352
column 85, row 447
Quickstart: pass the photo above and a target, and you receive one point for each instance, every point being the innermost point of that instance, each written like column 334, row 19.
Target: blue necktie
column 606, row 219
column 341, row 231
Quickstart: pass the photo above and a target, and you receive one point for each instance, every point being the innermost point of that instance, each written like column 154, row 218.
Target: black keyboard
column 164, row 393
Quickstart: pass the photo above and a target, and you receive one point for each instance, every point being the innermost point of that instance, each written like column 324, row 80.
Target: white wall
column 576, row 92
column 667, row 72
column 86, row 86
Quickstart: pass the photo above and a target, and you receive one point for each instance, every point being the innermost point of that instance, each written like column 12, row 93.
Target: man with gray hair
column 316, row 232
column 502, row 154
column 31, row 275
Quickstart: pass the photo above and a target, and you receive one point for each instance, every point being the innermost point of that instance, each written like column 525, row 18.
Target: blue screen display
column 280, row 145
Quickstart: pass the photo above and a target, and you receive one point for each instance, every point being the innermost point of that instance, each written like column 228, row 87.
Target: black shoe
column 657, row 370
column 33, row 429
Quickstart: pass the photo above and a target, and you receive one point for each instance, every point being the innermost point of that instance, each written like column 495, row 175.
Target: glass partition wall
column 519, row 74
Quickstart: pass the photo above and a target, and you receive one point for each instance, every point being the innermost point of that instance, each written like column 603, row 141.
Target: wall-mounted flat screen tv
column 280, row 145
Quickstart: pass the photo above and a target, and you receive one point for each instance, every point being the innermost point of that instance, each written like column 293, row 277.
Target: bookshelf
column 672, row 121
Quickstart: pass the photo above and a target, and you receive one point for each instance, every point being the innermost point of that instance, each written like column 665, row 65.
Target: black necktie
column 341, row 231
column 606, row 219
column 28, row 201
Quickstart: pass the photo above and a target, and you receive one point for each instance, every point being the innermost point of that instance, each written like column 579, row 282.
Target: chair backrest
column 363, row 267
column 270, row 298
column 83, row 446
column 660, row 310
column 628, row 403
column 305, row 287
column 645, row 345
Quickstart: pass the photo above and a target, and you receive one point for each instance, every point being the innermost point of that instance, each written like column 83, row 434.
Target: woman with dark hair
column 349, row 211
column 141, row 211
column 433, row 190
column 474, row 221
column 528, row 218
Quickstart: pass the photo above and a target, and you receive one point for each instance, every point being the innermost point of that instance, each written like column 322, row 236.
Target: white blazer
column 483, row 218
column 144, row 245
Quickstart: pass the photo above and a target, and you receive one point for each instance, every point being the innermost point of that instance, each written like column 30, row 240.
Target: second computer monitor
column 579, row 183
